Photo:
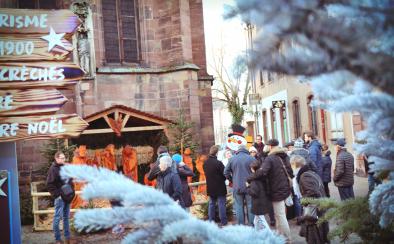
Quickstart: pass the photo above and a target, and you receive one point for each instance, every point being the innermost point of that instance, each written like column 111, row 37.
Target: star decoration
column 54, row 39
column 1, row 183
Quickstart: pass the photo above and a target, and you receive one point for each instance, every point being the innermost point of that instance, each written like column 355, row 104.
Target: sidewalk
column 44, row 237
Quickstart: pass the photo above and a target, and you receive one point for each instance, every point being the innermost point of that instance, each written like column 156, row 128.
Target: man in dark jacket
column 237, row 171
column 62, row 208
column 314, row 148
column 216, row 187
column 276, row 167
column 168, row 181
column 344, row 167
column 326, row 163
column 259, row 145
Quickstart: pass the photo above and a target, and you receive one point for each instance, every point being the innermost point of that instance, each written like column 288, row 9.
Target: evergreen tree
column 49, row 150
column 182, row 134
column 346, row 50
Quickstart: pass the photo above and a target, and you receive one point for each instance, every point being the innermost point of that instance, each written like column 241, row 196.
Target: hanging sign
column 34, row 47
column 30, row 101
column 278, row 104
column 41, row 127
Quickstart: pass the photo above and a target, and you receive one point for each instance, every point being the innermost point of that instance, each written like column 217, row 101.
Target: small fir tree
column 49, row 150
column 182, row 134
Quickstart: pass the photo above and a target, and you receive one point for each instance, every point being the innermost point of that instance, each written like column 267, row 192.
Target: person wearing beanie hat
column 184, row 172
column 343, row 173
column 253, row 151
column 177, row 158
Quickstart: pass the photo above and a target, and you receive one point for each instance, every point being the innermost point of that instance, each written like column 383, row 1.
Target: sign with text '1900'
column 41, row 127
column 30, row 101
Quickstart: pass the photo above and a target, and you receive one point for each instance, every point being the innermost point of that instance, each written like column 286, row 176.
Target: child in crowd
column 184, row 172
column 260, row 202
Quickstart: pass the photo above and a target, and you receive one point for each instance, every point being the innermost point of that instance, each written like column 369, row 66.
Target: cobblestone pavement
column 44, row 237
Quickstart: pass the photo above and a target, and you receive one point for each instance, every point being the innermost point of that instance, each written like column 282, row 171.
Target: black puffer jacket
column 260, row 202
column 344, row 167
column 278, row 183
column 326, row 163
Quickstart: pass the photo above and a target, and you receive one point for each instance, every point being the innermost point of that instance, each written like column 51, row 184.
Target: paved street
column 360, row 189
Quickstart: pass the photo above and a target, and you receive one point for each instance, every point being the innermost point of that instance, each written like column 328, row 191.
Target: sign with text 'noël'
column 34, row 47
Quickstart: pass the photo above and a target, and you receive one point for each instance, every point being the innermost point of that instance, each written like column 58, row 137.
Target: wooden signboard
column 33, row 21
column 41, row 127
column 38, row 74
column 29, row 101
column 14, row 48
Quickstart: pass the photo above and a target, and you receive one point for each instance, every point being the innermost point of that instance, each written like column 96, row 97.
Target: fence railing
column 35, row 194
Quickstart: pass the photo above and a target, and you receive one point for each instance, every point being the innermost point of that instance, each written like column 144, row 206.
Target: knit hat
column 177, row 158
column 299, row 143
column 252, row 149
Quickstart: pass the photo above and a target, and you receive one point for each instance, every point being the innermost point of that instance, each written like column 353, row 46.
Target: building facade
column 148, row 55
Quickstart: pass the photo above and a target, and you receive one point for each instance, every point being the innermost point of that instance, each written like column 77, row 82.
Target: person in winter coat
column 326, row 163
column 237, row 171
column 62, row 207
column 259, row 145
column 276, row 167
column 168, row 181
column 184, row 173
column 216, row 187
column 314, row 148
column 311, row 186
column 343, row 173
column 260, row 202
column 154, row 167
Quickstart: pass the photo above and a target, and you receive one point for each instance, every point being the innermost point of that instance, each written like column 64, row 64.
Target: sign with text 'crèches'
column 35, row 59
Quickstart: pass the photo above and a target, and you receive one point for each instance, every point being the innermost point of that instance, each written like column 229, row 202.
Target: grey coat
column 238, row 170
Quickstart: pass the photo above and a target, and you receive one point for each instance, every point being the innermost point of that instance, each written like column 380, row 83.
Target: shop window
column 336, row 122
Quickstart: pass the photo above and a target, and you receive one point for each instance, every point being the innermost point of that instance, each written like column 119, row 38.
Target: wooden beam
column 125, row 119
column 129, row 129
column 116, row 115
column 105, row 116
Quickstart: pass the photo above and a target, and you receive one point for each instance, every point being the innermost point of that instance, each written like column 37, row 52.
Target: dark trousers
column 346, row 192
column 326, row 189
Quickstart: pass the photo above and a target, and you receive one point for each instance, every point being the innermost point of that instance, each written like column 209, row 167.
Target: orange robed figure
column 129, row 162
column 199, row 163
column 187, row 159
column 108, row 157
column 148, row 182
column 95, row 161
column 79, row 158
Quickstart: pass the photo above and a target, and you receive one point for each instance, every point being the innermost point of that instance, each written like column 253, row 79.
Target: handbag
column 67, row 193
column 289, row 200
column 310, row 212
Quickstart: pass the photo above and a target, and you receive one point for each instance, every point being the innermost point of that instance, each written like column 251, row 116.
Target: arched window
column 283, row 127
column 312, row 115
column 296, row 118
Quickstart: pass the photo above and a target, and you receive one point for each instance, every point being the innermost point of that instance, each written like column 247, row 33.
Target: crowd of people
column 265, row 180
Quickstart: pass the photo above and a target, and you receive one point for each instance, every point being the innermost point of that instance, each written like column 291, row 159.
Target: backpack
column 67, row 193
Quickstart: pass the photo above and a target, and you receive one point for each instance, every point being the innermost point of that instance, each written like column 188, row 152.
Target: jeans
column 372, row 182
column 62, row 211
column 221, row 200
column 239, row 204
column 282, row 226
column 297, row 206
column 346, row 192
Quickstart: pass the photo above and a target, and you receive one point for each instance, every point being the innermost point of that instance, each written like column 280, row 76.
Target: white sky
column 229, row 34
